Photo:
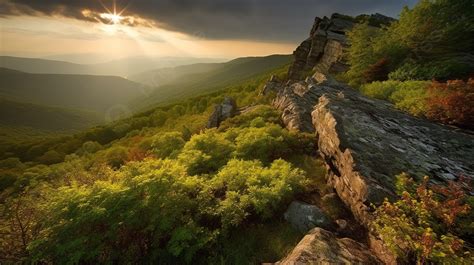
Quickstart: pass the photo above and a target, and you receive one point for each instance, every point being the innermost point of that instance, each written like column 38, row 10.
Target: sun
column 113, row 17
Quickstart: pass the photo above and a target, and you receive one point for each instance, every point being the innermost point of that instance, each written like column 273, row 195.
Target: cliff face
column 365, row 142
column 324, row 49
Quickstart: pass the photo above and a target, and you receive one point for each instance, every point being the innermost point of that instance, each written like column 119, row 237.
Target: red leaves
column 452, row 102
column 453, row 203
column 378, row 71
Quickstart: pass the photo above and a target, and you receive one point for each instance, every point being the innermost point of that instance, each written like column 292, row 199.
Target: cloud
column 274, row 20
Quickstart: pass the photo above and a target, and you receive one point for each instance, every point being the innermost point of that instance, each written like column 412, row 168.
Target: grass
column 258, row 243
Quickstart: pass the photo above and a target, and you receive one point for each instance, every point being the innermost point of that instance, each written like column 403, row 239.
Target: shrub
column 452, row 103
column 439, row 70
column 251, row 188
column 167, row 144
column 154, row 212
column 263, row 112
column 51, row 157
column 206, row 152
column 418, row 227
column 116, row 156
column 409, row 96
column 377, row 72
column 265, row 143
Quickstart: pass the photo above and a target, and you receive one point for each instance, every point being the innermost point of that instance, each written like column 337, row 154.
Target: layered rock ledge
column 322, row 247
column 367, row 142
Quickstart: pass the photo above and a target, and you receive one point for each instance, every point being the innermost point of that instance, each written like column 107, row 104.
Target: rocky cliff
column 364, row 142
column 367, row 142
column 324, row 49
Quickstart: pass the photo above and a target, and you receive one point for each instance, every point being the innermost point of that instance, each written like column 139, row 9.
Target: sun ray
column 113, row 16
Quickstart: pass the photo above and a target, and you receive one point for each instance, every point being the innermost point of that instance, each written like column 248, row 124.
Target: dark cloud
column 275, row 20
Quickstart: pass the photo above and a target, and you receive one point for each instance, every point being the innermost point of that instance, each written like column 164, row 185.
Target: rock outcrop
column 323, row 247
column 305, row 216
column 324, row 49
column 225, row 110
column 364, row 142
column 367, row 142
column 273, row 85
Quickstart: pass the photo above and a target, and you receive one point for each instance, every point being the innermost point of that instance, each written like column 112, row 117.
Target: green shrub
column 167, row 144
column 206, row 152
column 116, row 156
column 154, row 212
column 439, row 70
column 409, row 96
column 418, row 227
column 263, row 112
column 265, row 143
column 249, row 187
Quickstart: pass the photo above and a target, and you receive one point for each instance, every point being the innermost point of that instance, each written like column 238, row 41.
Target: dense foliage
column 450, row 102
column 431, row 41
column 158, row 188
column 426, row 224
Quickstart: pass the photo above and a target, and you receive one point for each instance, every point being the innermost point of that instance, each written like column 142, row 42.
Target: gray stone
column 273, row 85
column 305, row 216
column 223, row 111
column 325, row 48
column 323, row 247
column 367, row 142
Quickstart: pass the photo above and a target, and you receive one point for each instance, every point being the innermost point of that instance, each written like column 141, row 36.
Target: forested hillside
column 19, row 114
column 198, row 203
column 218, row 76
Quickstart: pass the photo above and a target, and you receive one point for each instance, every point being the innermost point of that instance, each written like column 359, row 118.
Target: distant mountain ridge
column 216, row 77
column 120, row 67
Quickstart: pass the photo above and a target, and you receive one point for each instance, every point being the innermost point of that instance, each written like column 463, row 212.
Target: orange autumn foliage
column 452, row 103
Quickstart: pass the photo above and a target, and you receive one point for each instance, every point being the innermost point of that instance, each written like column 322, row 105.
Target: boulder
column 223, row 111
column 323, row 247
column 305, row 216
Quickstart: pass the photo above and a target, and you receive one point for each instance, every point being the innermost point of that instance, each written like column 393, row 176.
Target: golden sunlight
column 113, row 18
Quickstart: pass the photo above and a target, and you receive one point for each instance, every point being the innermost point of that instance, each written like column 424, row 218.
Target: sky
column 155, row 28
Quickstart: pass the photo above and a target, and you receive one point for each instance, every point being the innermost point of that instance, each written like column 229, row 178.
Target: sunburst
column 112, row 16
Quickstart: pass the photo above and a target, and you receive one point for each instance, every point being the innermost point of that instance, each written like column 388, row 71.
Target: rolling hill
column 87, row 92
column 19, row 114
column 216, row 77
